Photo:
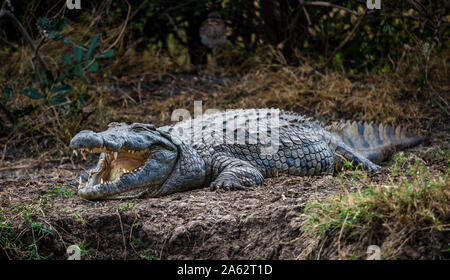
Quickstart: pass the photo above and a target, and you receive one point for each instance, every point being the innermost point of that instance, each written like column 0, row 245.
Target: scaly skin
column 139, row 159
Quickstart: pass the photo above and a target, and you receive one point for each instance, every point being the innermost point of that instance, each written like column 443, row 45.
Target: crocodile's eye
column 138, row 128
column 142, row 127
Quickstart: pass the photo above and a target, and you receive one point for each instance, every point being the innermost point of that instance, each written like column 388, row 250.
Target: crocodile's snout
column 86, row 139
column 134, row 159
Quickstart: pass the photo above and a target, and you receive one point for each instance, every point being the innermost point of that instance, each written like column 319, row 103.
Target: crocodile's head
column 134, row 159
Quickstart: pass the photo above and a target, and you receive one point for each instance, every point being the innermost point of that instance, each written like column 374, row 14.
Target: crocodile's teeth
column 115, row 155
column 75, row 152
column 101, row 181
column 80, row 182
column 83, row 154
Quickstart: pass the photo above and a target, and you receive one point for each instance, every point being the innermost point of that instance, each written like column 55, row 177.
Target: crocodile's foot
column 235, row 174
column 226, row 184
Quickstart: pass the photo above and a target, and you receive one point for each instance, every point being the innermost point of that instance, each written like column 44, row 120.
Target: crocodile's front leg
column 234, row 174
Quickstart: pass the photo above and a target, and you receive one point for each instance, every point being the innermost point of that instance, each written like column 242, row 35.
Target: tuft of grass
column 126, row 206
column 415, row 198
column 77, row 217
column 59, row 191
column 83, row 248
column 24, row 244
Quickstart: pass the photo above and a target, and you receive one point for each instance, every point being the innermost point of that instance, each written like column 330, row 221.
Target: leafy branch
column 55, row 86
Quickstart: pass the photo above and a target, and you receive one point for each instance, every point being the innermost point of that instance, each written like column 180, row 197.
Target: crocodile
column 229, row 150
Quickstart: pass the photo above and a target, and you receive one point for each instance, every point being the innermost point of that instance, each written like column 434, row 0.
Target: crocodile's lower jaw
column 134, row 193
column 114, row 165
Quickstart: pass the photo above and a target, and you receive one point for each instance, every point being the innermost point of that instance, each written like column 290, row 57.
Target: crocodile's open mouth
column 114, row 164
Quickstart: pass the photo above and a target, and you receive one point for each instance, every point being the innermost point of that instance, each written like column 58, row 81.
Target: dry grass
column 264, row 80
column 382, row 98
column 410, row 205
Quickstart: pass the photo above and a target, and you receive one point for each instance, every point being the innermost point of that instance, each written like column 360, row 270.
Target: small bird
column 213, row 31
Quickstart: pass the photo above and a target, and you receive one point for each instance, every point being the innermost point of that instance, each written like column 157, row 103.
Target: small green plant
column 441, row 154
column 145, row 256
column 83, row 248
column 64, row 84
column 59, row 191
column 29, row 214
column 399, row 160
column 12, row 241
column 8, row 235
column 77, row 216
column 64, row 211
column 127, row 206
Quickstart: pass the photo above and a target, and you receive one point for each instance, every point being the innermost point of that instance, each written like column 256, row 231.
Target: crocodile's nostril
column 86, row 139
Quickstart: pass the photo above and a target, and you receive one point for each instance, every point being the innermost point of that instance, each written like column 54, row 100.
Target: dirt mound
column 41, row 216
column 259, row 223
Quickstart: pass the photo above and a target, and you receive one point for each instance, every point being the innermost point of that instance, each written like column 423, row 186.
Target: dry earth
column 261, row 223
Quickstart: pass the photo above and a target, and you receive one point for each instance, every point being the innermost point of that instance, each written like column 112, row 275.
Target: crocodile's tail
column 374, row 141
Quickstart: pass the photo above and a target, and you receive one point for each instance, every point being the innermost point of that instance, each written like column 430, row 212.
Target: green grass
column 77, row 217
column 13, row 242
column 59, row 191
column 126, row 206
column 411, row 195
column 83, row 248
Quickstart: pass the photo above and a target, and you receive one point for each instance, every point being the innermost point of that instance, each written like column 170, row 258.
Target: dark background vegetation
column 288, row 25
column 156, row 37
